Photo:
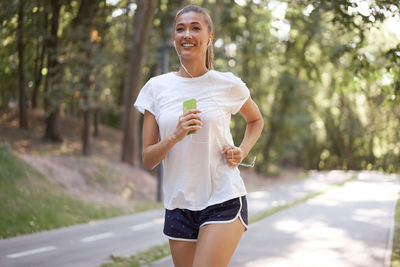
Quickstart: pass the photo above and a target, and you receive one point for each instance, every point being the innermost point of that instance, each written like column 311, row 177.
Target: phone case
column 188, row 105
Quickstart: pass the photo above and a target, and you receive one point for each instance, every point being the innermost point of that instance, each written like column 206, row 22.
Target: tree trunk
column 23, row 109
column 39, row 64
column 127, row 50
column 52, row 122
column 346, row 150
column 45, row 91
column 281, row 104
column 53, row 126
column 86, row 148
column 96, row 122
column 82, row 24
column 282, row 96
column 346, row 146
column 143, row 22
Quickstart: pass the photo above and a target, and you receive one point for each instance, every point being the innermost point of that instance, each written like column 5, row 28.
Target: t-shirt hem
column 210, row 203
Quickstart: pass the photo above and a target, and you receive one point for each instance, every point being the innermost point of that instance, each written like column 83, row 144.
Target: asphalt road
column 84, row 245
column 348, row 226
column 91, row 244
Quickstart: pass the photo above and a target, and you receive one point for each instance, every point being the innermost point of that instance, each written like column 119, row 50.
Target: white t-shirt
column 195, row 174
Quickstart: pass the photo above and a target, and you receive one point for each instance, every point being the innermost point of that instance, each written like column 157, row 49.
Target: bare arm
column 255, row 124
column 154, row 151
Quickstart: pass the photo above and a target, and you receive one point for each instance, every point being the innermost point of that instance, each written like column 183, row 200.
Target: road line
column 141, row 226
column 31, row 252
column 158, row 221
column 97, row 237
column 147, row 225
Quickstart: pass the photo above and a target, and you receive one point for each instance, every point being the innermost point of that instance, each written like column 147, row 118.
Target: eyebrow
column 194, row 22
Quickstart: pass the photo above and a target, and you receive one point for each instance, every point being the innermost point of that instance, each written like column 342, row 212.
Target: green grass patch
column 10, row 169
column 395, row 260
column 104, row 175
column 29, row 203
column 139, row 206
column 146, row 257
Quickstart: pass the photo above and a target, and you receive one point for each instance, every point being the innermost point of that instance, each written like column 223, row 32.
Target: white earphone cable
column 252, row 164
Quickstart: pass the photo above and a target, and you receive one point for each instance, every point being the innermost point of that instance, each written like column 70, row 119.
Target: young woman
column 204, row 195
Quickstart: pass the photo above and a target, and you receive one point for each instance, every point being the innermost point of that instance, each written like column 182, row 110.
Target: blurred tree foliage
column 325, row 74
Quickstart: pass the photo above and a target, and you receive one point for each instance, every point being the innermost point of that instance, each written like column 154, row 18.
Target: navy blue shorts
column 184, row 224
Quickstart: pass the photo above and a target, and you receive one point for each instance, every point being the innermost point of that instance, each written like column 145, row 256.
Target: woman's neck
column 191, row 70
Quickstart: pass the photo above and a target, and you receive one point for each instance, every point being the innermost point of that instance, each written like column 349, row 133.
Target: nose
column 188, row 34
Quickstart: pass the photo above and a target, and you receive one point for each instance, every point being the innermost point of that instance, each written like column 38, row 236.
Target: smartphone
column 188, row 105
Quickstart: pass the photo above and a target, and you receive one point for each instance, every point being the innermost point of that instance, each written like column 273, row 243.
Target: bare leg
column 217, row 243
column 182, row 252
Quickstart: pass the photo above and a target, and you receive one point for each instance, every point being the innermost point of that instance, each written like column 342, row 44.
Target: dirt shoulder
column 95, row 179
column 100, row 178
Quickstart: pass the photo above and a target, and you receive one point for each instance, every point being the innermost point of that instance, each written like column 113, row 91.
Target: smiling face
column 192, row 36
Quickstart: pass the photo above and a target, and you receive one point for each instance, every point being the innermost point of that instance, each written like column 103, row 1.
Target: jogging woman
column 204, row 195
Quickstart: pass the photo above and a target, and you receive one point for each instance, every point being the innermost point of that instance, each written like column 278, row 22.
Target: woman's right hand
column 188, row 121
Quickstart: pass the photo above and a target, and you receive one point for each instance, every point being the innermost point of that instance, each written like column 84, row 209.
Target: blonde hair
column 197, row 9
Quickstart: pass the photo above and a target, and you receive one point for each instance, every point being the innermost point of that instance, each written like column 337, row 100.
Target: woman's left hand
column 233, row 155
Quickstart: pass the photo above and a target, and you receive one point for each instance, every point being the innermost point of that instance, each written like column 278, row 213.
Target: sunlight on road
column 346, row 227
column 283, row 194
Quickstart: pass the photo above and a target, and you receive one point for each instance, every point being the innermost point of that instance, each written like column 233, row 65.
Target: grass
column 29, row 203
column 139, row 206
column 104, row 175
column 395, row 260
column 151, row 255
column 155, row 253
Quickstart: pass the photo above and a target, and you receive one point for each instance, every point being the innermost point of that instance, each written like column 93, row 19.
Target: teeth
column 188, row 44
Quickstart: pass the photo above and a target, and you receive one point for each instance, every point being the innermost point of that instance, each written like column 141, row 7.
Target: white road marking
column 97, row 237
column 147, row 225
column 31, row 252
column 159, row 221
column 141, row 226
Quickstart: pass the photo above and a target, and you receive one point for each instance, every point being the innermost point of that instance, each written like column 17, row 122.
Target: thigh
column 217, row 243
column 182, row 252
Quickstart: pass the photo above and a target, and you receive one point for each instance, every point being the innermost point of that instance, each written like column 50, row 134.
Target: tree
column 54, row 78
column 82, row 27
column 23, row 113
column 40, row 54
column 143, row 24
column 325, row 74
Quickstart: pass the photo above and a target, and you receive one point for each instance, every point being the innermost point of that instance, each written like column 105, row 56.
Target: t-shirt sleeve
column 146, row 99
column 239, row 94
